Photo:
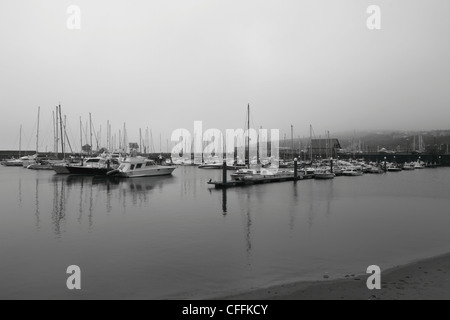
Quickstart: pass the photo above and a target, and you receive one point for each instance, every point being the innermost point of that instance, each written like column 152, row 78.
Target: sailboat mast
column 54, row 134
column 81, row 136
column 20, row 141
column 247, row 147
column 140, row 140
column 292, row 142
column 62, row 135
column 65, row 134
column 37, row 131
column 258, row 148
column 310, row 143
column 107, row 136
column 147, row 142
column 151, row 141
column 124, row 138
column 57, row 131
column 90, row 129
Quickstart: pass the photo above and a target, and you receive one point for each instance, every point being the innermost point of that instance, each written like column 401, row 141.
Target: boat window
column 149, row 163
column 93, row 160
column 132, row 167
column 122, row 166
column 139, row 165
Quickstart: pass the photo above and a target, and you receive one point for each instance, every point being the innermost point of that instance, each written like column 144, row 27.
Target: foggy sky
column 163, row 64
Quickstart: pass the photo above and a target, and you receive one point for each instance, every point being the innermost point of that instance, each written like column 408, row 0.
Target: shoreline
column 427, row 279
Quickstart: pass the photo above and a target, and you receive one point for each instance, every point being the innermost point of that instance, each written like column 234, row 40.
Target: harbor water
column 176, row 237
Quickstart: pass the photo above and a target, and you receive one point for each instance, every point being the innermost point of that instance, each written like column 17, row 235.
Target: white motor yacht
column 140, row 167
column 352, row 172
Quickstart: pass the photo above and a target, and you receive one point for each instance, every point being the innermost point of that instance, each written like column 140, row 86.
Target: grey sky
column 164, row 64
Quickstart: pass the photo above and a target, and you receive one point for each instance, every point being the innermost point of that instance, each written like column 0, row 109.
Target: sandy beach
column 422, row 280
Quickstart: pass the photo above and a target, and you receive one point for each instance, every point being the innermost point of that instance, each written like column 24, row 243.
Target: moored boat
column 308, row 173
column 324, row 173
column 419, row 165
column 97, row 166
column 352, row 172
column 140, row 167
column 408, row 166
column 60, row 168
column 13, row 163
column 376, row 170
column 393, row 168
column 261, row 173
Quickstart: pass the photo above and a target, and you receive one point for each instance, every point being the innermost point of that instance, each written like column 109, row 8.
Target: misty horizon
column 165, row 65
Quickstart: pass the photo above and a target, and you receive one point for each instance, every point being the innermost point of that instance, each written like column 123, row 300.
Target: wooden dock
column 241, row 183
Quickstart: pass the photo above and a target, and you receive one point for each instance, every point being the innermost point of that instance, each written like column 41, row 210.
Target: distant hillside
column 401, row 141
column 437, row 141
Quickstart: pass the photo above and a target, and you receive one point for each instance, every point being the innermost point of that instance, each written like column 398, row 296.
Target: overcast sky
column 163, row 64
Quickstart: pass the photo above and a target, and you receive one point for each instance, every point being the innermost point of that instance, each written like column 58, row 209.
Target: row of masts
column 113, row 142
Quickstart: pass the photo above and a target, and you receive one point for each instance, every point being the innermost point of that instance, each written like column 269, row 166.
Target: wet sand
column 422, row 280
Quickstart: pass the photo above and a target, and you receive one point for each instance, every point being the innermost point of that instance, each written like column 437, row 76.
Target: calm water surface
column 175, row 237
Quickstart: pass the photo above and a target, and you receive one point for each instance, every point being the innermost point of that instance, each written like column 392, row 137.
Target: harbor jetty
column 254, row 179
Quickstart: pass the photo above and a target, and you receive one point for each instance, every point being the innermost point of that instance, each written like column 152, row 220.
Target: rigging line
column 93, row 131
column 67, row 127
column 15, row 141
column 45, row 136
column 68, row 141
column 31, row 136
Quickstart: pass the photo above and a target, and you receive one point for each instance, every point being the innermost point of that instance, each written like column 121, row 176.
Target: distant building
column 325, row 148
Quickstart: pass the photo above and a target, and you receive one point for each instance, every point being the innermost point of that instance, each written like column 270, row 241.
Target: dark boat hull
column 87, row 171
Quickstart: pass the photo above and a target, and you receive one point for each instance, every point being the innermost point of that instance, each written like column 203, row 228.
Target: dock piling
column 295, row 170
column 224, row 172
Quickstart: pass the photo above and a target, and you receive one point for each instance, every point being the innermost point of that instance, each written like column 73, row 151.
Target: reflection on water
column 248, row 232
column 224, row 201
column 37, row 213
column 169, row 236
column 89, row 192
column 20, row 192
column 58, row 212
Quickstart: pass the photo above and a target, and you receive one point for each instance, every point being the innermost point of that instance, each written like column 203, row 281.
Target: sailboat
column 16, row 162
column 34, row 163
column 256, row 172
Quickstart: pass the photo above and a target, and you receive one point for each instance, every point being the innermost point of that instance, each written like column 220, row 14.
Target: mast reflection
column 224, row 201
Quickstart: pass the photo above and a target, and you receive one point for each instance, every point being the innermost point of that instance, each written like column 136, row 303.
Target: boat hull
column 40, row 167
column 220, row 166
column 324, row 176
column 13, row 164
column 154, row 172
column 61, row 169
column 88, row 171
column 352, row 174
